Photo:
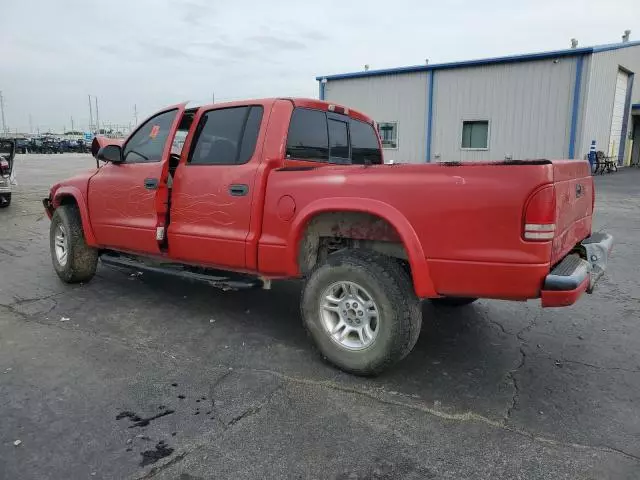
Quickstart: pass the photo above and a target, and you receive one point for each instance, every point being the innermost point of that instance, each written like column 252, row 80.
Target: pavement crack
column 600, row 367
column 253, row 410
column 516, row 388
column 159, row 468
column 456, row 417
column 21, row 301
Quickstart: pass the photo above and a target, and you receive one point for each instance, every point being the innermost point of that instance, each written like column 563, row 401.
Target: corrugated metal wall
column 600, row 94
column 528, row 106
column 390, row 98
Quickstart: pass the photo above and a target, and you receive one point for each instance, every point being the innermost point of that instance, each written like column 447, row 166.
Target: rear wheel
column 360, row 308
column 453, row 301
column 73, row 260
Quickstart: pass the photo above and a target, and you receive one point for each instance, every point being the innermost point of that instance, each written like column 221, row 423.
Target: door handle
column 151, row 183
column 238, row 190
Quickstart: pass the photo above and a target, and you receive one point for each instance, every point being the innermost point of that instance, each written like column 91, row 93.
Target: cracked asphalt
column 226, row 384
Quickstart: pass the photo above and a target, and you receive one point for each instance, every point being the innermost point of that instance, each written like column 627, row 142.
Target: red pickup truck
column 239, row 194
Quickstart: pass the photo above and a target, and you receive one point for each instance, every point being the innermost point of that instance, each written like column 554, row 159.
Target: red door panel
column 213, row 187
column 121, row 209
column 208, row 224
column 128, row 201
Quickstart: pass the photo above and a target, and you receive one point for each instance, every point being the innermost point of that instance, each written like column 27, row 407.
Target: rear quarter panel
column 467, row 216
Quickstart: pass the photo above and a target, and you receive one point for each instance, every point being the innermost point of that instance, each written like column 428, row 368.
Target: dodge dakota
column 240, row 194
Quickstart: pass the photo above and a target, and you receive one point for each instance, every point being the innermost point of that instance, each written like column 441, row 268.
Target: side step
column 215, row 278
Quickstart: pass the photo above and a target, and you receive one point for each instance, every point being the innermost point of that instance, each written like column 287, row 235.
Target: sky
column 153, row 53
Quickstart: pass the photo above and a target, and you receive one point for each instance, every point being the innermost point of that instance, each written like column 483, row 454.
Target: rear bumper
column 574, row 275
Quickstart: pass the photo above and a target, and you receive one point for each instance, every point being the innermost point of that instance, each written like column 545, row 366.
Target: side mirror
column 110, row 153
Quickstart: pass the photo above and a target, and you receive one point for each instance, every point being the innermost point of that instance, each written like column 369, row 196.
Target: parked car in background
column 243, row 193
column 7, row 171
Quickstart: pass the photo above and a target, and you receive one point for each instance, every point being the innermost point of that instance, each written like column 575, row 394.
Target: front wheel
column 360, row 308
column 73, row 260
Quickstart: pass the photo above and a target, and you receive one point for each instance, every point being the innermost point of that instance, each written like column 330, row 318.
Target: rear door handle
column 238, row 190
column 151, row 183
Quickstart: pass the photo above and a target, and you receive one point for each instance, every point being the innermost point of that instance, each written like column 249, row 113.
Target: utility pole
column 72, row 129
column 213, row 97
column 97, row 116
column 30, row 124
column 4, row 125
column 135, row 113
column 90, row 113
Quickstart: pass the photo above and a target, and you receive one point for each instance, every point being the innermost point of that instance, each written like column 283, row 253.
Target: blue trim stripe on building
column 625, row 120
column 635, row 106
column 485, row 61
column 429, row 115
column 576, row 106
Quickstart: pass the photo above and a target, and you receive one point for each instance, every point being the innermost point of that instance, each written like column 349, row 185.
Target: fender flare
column 422, row 281
column 70, row 191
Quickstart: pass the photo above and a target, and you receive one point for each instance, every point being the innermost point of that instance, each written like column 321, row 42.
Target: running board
column 215, row 278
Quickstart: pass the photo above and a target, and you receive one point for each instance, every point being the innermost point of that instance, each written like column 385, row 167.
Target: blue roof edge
column 483, row 61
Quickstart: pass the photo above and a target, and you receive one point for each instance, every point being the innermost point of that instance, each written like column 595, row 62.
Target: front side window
column 227, row 136
column 475, row 134
column 308, row 138
column 147, row 144
column 388, row 134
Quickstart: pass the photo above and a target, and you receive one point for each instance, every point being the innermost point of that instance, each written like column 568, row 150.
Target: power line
column 4, row 125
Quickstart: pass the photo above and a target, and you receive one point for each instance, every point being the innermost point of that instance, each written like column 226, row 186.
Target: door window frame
column 200, row 126
column 143, row 125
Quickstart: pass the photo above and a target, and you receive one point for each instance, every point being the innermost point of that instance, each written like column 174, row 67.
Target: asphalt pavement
column 145, row 376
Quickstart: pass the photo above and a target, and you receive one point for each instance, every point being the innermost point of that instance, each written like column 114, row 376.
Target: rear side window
column 308, row 137
column 227, row 136
column 365, row 149
column 250, row 136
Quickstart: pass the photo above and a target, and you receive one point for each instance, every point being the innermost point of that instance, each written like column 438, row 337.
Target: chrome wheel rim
column 60, row 245
column 349, row 315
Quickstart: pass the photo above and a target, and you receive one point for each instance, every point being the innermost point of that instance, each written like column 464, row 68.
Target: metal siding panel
column 528, row 106
column 398, row 98
column 603, row 72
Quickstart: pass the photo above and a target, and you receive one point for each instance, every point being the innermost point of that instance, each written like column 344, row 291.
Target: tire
column 5, row 200
column 395, row 328
column 453, row 301
column 80, row 262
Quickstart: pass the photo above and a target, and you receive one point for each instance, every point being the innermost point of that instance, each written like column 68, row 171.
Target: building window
column 475, row 134
column 388, row 134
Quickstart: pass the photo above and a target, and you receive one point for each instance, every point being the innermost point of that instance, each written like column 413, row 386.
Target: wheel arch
column 70, row 195
column 373, row 209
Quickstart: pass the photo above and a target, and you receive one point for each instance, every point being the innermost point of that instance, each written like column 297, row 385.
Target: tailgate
column 574, row 190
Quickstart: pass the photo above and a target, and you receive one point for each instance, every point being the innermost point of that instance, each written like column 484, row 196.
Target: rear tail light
column 540, row 215
column 4, row 167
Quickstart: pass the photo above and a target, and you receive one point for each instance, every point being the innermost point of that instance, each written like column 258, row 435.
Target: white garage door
column 617, row 118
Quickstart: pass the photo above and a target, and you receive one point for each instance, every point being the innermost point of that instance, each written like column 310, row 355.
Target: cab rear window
column 317, row 136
